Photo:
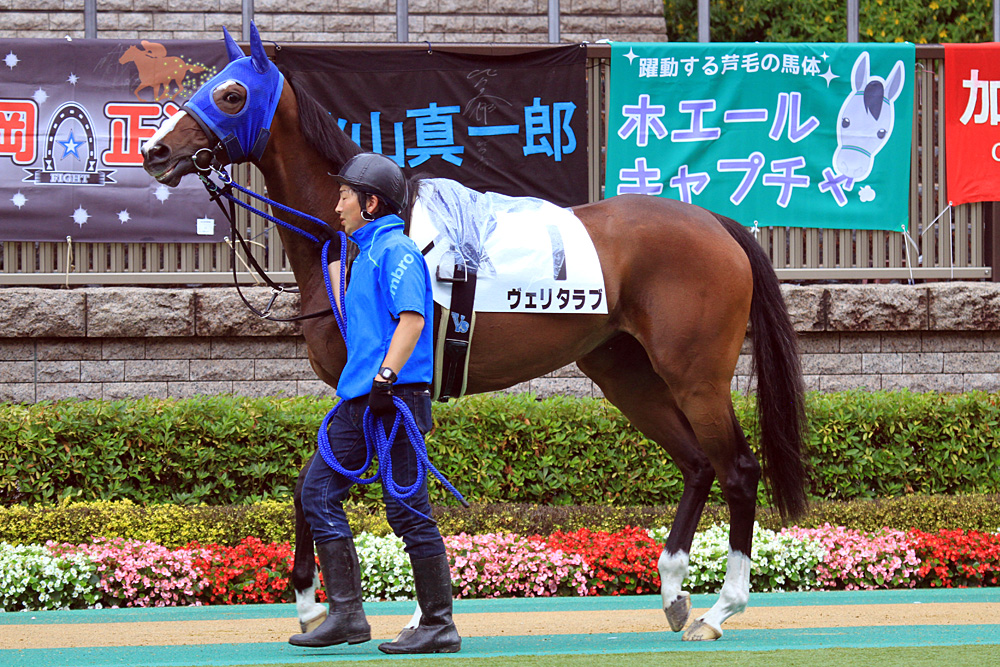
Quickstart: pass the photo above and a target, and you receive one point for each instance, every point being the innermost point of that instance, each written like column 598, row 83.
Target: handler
column 390, row 312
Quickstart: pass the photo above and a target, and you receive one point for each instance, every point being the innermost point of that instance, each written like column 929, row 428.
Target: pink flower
column 857, row 560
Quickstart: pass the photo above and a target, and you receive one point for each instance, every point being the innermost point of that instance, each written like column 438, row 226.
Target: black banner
column 516, row 124
column 73, row 116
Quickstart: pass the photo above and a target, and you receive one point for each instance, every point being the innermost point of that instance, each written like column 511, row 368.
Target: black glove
column 380, row 399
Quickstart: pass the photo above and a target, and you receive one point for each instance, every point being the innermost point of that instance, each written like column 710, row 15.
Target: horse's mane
column 874, row 94
column 324, row 134
column 319, row 127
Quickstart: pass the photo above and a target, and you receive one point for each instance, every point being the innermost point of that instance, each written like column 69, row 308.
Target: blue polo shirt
column 389, row 276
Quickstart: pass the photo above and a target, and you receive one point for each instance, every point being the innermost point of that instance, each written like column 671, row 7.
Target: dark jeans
column 325, row 489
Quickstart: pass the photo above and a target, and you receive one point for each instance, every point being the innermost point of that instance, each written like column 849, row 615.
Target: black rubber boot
column 346, row 621
column 436, row 632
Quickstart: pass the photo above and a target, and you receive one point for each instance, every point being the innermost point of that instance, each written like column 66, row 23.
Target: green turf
column 952, row 656
column 517, row 649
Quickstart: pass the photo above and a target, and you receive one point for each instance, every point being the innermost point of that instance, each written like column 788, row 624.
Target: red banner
column 972, row 122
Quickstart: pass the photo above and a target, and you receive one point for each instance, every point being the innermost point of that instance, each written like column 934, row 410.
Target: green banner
column 791, row 135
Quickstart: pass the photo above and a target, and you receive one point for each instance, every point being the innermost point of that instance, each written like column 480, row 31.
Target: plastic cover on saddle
column 529, row 254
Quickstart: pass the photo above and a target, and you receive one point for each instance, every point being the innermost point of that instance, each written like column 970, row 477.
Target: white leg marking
column 305, row 603
column 165, row 129
column 673, row 570
column 735, row 591
column 415, row 621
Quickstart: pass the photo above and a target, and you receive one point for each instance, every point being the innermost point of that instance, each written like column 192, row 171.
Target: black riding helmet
column 378, row 175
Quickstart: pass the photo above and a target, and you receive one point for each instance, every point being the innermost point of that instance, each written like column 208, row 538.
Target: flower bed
column 954, row 558
column 124, row 573
column 507, row 565
column 856, row 560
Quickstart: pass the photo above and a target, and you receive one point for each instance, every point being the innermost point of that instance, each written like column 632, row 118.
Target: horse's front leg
column 305, row 578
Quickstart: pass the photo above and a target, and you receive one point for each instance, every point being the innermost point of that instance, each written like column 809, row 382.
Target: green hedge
column 918, row 21
column 210, row 449
column 494, row 448
column 169, row 525
column 272, row 521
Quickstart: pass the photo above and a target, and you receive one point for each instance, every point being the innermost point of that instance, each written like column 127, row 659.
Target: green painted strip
column 902, row 596
column 473, row 647
column 515, row 605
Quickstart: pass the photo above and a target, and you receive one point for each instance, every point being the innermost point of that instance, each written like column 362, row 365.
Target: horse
column 865, row 120
column 157, row 70
column 682, row 286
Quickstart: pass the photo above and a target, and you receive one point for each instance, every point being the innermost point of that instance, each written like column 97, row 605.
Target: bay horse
column 683, row 285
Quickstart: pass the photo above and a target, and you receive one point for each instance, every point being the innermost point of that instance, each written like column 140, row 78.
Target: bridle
column 248, row 142
column 244, row 136
column 223, row 189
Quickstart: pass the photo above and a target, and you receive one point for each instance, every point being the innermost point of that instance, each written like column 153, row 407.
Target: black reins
column 219, row 192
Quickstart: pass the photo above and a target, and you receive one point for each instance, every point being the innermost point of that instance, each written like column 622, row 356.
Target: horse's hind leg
column 623, row 372
column 305, row 578
column 739, row 475
column 699, row 372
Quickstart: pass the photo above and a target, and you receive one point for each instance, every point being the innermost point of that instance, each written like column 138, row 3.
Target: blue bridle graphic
column 245, row 133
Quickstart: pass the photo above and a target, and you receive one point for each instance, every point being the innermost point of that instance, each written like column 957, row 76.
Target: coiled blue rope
column 377, row 443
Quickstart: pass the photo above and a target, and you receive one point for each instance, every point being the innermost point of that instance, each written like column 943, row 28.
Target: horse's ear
column 859, row 77
column 894, row 84
column 232, row 48
column 257, row 53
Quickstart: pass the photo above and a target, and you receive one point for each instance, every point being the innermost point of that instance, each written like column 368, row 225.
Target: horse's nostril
column 157, row 153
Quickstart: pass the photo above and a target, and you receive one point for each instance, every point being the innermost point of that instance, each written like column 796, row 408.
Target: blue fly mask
column 244, row 134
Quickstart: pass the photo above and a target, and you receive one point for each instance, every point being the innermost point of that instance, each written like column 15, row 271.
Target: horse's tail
column 780, row 393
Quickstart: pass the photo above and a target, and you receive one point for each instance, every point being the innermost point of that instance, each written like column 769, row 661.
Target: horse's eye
column 881, row 134
column 232, row 98
column 846, row 122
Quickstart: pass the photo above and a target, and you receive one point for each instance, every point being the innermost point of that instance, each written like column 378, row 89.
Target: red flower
column 249, row 572
column 956, row 558
column 623, row 562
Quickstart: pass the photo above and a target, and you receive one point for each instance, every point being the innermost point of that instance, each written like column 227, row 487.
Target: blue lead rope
column 341, row 316
column 376, row 441
column 228, row 180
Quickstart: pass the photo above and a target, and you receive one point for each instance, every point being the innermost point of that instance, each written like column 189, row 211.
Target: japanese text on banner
column 800, row 135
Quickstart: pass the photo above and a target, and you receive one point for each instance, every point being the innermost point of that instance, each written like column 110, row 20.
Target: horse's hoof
column 701, row 632
column 678, row 611
column 309, row 626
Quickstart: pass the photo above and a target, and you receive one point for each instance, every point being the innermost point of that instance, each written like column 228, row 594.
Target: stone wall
column 339, row 21
column 113, row 342
column 936, row 337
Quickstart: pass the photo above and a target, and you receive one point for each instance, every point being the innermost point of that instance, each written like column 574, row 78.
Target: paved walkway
column 257, row 634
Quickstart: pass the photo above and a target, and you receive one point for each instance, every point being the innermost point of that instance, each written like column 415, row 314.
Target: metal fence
column 942, row 243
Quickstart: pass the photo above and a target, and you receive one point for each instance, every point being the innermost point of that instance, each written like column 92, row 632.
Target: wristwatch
column 387, row 374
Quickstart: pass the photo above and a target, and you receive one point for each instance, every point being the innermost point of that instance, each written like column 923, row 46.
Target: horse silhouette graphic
column 865, row 121
column 157, row 70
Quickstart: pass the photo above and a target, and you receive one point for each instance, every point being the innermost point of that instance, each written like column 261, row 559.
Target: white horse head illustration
column 865, row 121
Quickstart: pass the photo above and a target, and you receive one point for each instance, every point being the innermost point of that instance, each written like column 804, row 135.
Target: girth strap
column 454, row 353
